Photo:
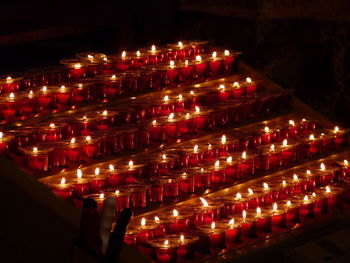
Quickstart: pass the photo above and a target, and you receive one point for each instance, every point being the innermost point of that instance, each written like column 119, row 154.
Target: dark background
column 301, row 44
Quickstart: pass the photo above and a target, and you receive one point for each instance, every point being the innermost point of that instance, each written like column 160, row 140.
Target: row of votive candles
column 47, row 99
column 232, row 221
column 172, row 176
column 108, row 139
column 90, row 64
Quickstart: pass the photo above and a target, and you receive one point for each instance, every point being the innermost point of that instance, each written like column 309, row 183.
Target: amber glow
column 1, row 135
column 231, row 222
column 336, row 129
column 180, row 97
column 266, row 186
column 195, row 148
column 291, row 122
column 213, row 225
column 258, row 211
column 171, row 116
column 244, row 214
column 79, row 174
column 131, row 164
column 244, row 155
column 249, row 80
column 180, row 44
column 197, row 109
column 204, row 202
column 77, row 66
column 111, row 167
column 217, row 163
column 328, row 189
column 175, row 213
column 35, row 149
column 214, row 55
column 346, row 163
column 272, row 148
column 266, row 129
column 289, row 203
column 123, row 54
column 250, row 191
column 306, row 198
column 117, row 192
column 63, row 180
column 182, row 238
column 312, row 137
column 97, row 171
column 226, row 52
column 105, row 113
column 156, row 219
column 322, row 167
column 143, row 221
column 198, row 58
column 88, row 138
column 238, row 196
column 235, row 84
column 223, row 139
column 153, row 48
column 274, row 207
column 295, row 177
column 12, row 95
column 138, row 53
column 229, row 159
column 285, row 143
column 44, row 89
column 171, row 63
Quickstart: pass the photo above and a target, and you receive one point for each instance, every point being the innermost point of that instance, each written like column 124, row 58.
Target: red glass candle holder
column 37, row 158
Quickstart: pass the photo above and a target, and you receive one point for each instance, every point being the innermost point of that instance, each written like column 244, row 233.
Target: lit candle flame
column 226, row 52
column 143, row 221
column 295, row 177
column 346, row 163
column 153, row 48
column 105, row 113
column 195, row 148
column 77, row 66
column 272, row 147
column 322, row 167
column 175, row 213
column 123, row 54
column 284, row 183
column 186, row 62
column 131, row 164
column 209, row 146
column 166, row 242
column 249, row 80
column 52, row 125
column 180, row 44
column 274, row 207
column 72, row 140
column 154, row 122
column 117, row 192
column 182, row 238
column 1, row 135
column 172, row 63
column 258, row 211
column 192, row 92
column 223, row 139
column 289, row 203
column 244, row 155
column 138, row 53
column 8, row 78
column 97, row 171
column 311, row 137
column 88, row 138
column 213, row 225
column 244, row 214
column 235, row 84
column 266, row 186
column 285, row 143
column 102, row 195
column 90, row 57
column 204, row 202
column 113, row 77
column 30, row 94
column 291, row 122
column 328, row 189
column 180, row 97
column 231, row 222
column 217, row 163
column 111, row 167
column 44, row 89
column 222, row 87
column 198, row 58
column 308, row 172
column 336, row 129
column 214, row 55
column 306, row 198
column 63, row 87
column 197, row 109
column 35, row 149
column 166, row 98
column 63, row 180
column 164, row 156
column 250, row 191
column 79, row 174
column 171, row 116
column 156, row 219
column 238, row 196
column 267, row 129
column 229, row 159
column 12, row 95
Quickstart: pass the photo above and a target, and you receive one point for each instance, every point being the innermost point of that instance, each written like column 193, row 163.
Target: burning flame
column 223, row 139
column 222, row 87
column 272, row 147
column 30, row 93
column 175, row 213
column 172, row 63
column 217, row 163
column 143, row 221
column 336, row 129
column 204, row 202
column 186, row 62
column 166, row 242
column 313, row 194
column 226, row 52
column 12, row 95
column 44, row 89
column 105, row 113
column 274, row 207
column 77, row 66
column 209, row 146
column 266, row 186
column 63, row 180
column 180, row 44
column 308, row 172
column 102, row 196
column 123, row 54
column 156, row 219
column 306, row 198
column 179, row 97
column 52, row 125
column 285, row 143
column 244, row 155
column 250, row 191
column 258, row 211
column 238, row 196
column 249, row 80
column 229, row 159
column 113, row 77
column 231, row 222
column 88, row 138
column 171, row 116
column 197, row 109
column 289, row 203
column 322, row 167
column 346, row 163
column 182, row 238
column 291, row 122
column 284, row 183
column 198, row 58
column 154, row 122
column 90, row 57
column 164, row 156
column 311, row 137
column 213, row 225
column 267, row 129
column 192, row 92
column 235, row 84
column 63, row 87
column 131, row 164
column 328, row 189
column 116, row 192
column 166, row 98
column 97, row 171
column 138, row 53
column 72, row 140
column 8, row 78
column 195, row 148
column 35, row 149
column 295, row 177
column 244, row 214
column 1, row 135
column 111, row 167
column 214, row 55
column 79, row 174
column 153, row 48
